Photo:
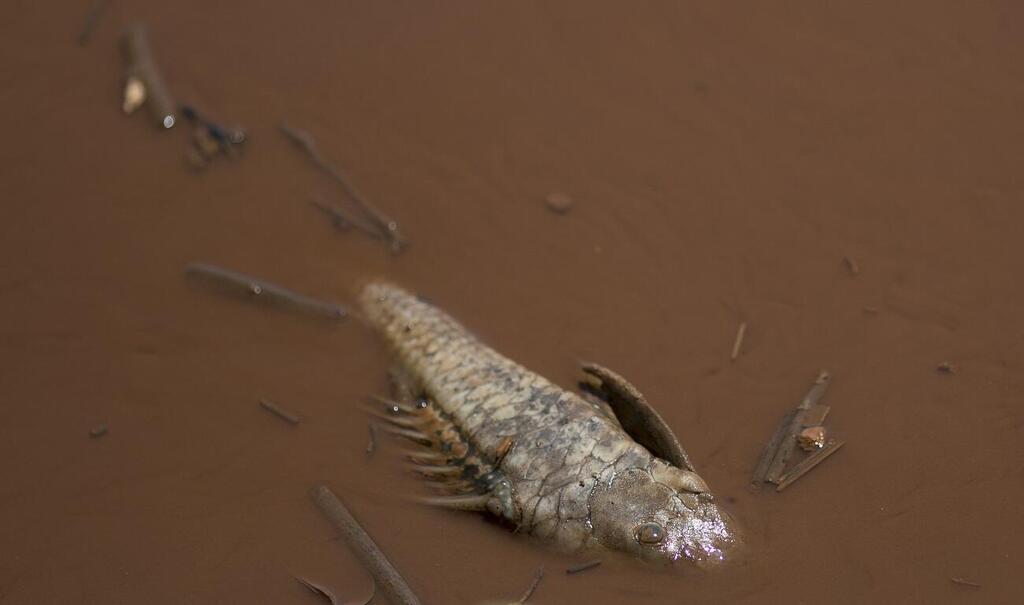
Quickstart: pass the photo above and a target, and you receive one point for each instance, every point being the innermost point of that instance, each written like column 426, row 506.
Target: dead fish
column 543, row 460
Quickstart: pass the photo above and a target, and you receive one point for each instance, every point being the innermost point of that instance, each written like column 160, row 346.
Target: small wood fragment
column 771, row 449
column 788, row 442
column 258, row 289
column 371, row 447
column 851, row 265
column 98, row 431
column 319, row 589
column 946, row 367
column 740, row 333
column 278, row 411
column 141, row 65
column 537, row 577
column 816, row 415
column 808, row 463
column 92, row 19
column 963, row 582
column 386, row 226
column 559, row 203
column 364, row 548
column 323, row 591
column 575, row 569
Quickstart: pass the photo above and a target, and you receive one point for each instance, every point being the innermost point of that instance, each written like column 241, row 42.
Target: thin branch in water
column 851, row 265
column 92, row 19
column 771, row 449
column 575, row 569
column 740, row 333
column 537, row 577
column 808, row 463
column 391, row 583
column 326, row 593
column 341, row 220
column 371, row 446
column 142, row 68
column 278, row 411
column 788, row 443
column 263, row 291
column 963, row 582
column 387, row 226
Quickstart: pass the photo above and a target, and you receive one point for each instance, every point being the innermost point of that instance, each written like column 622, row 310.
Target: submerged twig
column 963, row 582
column 329, row 595
column 583, row 567
column 771, row 449
column 808, row 463
column 788, row 442
column 265, row 291
column 364, row 548
column 740, row 333
column 371, row 446
column 341, row 220
column 278, row 411
column 92, row 19
column 143, row 69
column 386, row 225
column 537, row 577
column 851, row 265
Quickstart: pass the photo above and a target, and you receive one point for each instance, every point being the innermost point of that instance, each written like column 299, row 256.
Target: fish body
column 540, row 457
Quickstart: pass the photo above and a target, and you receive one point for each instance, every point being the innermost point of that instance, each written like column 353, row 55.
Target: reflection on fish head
column 661, row 513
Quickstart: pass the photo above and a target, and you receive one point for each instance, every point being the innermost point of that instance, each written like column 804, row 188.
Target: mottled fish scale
column 562, row 444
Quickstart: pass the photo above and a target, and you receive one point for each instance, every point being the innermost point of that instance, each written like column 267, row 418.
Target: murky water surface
column 723, row 160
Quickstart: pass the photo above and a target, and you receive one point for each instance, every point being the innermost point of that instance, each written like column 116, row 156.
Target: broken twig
column 788, row 442
column 143, row 69
column 387, row 226
column 263, row 290
column 278, row 411
column 328, row 594
column 740, row 333
column 963, row 582
column 575, row 569
column 851, row 265
column 771, row 449
column 364, row 548
column 92, row 19
column 537, row 576
column 808, row 463
column 371, row 446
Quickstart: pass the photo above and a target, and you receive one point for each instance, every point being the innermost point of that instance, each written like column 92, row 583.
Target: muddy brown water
column 723, row 158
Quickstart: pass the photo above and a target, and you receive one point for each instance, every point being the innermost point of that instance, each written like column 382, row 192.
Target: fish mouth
column 706, row 539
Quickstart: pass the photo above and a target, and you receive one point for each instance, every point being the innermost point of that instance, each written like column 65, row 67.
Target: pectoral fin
column 637, row 417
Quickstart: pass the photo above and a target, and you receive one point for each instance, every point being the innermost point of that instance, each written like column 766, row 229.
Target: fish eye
column 649, row 534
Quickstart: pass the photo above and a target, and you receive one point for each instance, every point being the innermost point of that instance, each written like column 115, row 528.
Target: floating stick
column 851, row 265
column 142, row 67
column 92, row 19
column 963, row 582
column 740, row 333
column 788, row 442
column 808, row 463
column 265, row 291
column 364, row 548
column 278, row 411
column 387, row 226
column 771, row 449
column 537, row 576
column 583, row 567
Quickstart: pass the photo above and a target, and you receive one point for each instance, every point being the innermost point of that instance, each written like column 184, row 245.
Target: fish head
column 661, row 513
